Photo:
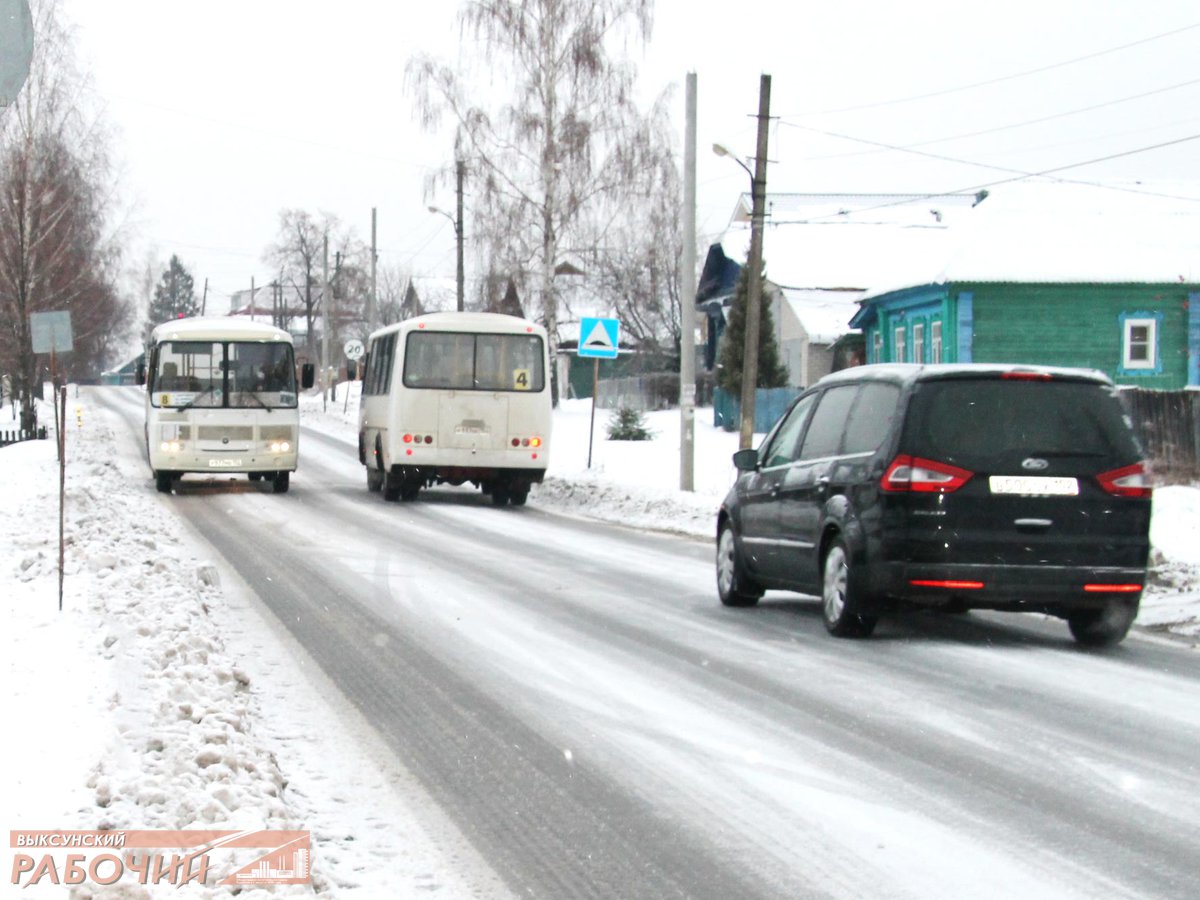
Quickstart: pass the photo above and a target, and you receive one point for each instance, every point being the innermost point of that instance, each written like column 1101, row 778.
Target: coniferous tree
column 771, row 371
column 174, row 295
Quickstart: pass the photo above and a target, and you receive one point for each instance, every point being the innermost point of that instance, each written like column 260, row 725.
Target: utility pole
column 325, row 303
column 459, row 167
column 373, row 300
column 758, row 192
column 687, row 312
column 204, row 297
column 251, row 298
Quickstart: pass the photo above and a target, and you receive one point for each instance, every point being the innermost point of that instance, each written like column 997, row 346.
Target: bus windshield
column 222, row 374
column 452, row 360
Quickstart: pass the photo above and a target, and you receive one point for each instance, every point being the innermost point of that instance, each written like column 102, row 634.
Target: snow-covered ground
column 151, row 700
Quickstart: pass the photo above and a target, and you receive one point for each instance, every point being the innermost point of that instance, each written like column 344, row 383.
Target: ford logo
column 1033, row 464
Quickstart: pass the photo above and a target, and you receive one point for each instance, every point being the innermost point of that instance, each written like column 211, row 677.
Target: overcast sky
column 227, row 111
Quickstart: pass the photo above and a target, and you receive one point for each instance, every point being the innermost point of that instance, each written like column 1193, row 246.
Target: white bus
column 456, row 397
column 221, row 397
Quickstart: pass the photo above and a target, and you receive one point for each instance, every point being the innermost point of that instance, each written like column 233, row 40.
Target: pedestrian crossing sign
column 598, row 337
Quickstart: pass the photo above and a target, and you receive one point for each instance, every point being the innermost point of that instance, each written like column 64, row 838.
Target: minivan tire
column 735, row 587
column 838, row 601
column 1103, row 627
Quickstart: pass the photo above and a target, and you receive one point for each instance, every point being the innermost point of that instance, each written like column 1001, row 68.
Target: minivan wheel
column 837, row 603
column 734, row 586
column 1103, row 627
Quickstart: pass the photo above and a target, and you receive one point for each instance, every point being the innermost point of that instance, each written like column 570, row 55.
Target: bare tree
column 54, row 253
column 559, row 145
column 636, row 259
column 298, row 253
column 392, row 282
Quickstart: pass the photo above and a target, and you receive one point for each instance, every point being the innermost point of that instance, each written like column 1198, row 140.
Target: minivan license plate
column 1034, row 485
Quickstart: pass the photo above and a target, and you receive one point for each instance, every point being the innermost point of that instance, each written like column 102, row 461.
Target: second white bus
column 454, row 398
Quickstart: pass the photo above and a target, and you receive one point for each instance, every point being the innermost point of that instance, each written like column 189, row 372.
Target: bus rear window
column 474, row 362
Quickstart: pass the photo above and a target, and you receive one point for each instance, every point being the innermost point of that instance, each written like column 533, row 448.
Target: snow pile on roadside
column 1172, row 599
column 171, row 708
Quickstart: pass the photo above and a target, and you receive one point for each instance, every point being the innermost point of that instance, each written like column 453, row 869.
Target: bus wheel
column 281, row 482
column 409, row 489
column 374, row 480
column 391, row 487
column 255, row 476
column 163, row 481
column 500, row 493
column 519, row 495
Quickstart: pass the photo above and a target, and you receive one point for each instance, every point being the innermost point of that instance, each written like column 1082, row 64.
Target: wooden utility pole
column 459, row 168
column 758, row 193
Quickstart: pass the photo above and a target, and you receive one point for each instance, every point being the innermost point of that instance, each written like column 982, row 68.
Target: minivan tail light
column 1129, row 481
column 924, row 476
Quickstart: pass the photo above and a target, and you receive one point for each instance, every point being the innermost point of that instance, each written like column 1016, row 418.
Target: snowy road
column 577, row 701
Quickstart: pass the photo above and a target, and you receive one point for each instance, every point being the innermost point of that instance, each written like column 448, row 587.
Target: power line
column 1021, row 173
column 978, row 84
column 1038, row 121
column 1042, row 174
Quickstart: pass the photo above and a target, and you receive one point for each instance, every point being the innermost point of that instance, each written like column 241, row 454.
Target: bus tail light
column 527, row 442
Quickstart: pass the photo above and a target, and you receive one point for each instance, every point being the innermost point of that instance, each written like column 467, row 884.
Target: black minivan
column 967, row 486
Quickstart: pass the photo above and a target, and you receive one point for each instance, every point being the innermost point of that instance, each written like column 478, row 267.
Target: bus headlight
column 280, row 446
column 171, row 446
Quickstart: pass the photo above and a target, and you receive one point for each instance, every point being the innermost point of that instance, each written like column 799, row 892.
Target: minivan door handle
column 1033, row 524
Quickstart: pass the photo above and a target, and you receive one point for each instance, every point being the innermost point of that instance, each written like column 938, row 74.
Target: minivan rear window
column 980, row 422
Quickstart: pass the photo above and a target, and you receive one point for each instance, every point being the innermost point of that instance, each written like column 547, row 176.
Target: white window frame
column 918, row 342
column 1128, row 344
column 900, row 343
column 877, row 346
column 935, row 341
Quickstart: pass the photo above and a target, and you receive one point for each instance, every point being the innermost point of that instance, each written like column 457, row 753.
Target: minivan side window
column 871, row 418
column 786, row 441
column 824, row 435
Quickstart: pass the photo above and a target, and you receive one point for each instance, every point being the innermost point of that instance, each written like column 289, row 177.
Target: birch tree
column 559, row 144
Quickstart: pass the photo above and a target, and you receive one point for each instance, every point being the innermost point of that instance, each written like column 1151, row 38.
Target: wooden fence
column 658, row 390
column 1168, row 423
column 17, row 435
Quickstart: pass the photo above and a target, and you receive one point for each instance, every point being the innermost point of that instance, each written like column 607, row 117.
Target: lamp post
column 758, row 192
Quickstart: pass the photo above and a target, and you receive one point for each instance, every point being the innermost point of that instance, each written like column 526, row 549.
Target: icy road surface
column 576, row 700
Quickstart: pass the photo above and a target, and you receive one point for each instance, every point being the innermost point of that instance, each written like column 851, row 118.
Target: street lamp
column 458, row 238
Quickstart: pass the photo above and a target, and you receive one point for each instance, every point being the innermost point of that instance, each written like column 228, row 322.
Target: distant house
column 1055, row 275
column 822, row 253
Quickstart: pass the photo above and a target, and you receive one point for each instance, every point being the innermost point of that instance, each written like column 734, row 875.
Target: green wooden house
column 1146, row 335
column 1111, row 284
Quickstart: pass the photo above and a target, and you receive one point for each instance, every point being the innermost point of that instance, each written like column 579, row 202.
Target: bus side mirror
column 139, row 375
column 308, row 375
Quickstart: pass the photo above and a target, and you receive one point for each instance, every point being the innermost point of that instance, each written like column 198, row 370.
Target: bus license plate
column 1034, row 485
column 224, row 463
